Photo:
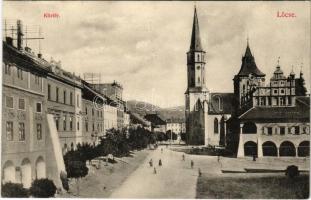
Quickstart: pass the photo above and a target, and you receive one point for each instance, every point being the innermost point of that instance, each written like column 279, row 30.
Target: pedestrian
column 154, row 170
column 160, row 162
column 191, row 163
column 218, row 158
column 200, row 173
column 150, row 162
column 254, row 157
column 161, row 150
column 183, row 157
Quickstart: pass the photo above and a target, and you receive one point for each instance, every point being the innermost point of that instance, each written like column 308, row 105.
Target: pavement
column 174, row 179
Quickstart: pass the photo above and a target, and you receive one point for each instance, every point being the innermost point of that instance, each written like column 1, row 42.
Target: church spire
column 195, row 37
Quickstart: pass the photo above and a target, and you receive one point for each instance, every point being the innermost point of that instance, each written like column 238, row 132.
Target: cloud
column 143, row 45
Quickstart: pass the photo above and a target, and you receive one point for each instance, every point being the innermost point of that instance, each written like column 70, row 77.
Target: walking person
column 161, row 150
column 154, row 170
column 191, row 163
column 160, row 162
column 150, row 162
column 183, row 157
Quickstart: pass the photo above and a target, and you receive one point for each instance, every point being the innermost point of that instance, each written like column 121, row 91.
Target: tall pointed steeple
column 195, row 37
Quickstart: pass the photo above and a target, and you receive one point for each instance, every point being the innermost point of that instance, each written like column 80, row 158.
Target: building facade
column 114, row 92
column 64, row 102
column 99, row 115
column 27, row 150
column 176, row 125
column 274, row 121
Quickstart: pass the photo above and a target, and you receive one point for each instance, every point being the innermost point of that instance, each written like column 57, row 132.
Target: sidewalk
column 100, row 183
column 175, row 179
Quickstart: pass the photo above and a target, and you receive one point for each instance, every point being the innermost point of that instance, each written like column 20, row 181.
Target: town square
column 155, row 99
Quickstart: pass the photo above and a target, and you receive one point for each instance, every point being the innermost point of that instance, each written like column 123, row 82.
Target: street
column 174, row 179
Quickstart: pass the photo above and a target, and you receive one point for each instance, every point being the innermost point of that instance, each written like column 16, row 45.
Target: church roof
column 298, row 113
column 221, row 103
column 248, row 64
column 195, row 37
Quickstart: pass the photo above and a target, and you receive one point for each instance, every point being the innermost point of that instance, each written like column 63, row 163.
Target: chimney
column 39, row 55
column 9, row 41
column 19, row 35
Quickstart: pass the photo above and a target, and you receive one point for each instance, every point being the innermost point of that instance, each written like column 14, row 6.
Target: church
column 258, row 119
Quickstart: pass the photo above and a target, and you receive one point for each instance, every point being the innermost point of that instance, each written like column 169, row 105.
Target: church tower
column 196, row 94
column 244, row 82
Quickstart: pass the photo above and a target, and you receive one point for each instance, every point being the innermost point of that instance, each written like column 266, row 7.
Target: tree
column 118, row 142
column 300, row 89
column 42, row 188
column 87, row 151
column 14, row 190
column 75, row 166
column 292, row 171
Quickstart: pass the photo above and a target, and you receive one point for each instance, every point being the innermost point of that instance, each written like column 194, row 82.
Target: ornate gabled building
column 274, row 120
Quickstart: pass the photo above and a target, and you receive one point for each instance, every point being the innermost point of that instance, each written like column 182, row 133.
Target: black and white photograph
column 155, row 99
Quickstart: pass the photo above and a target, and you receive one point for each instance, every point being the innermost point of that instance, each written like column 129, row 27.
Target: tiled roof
column 248, row 65
column 137, row 119
column 298, row 113
column 221, row 103
column 175, row 120
column 155, row 119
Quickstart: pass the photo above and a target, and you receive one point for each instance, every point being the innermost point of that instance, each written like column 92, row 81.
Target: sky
column 143, row 45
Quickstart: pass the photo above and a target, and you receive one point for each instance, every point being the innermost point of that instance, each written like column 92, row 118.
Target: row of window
column 21, row 131
column 278, row 101
column 19, row 73
column 57, row 119
column 297, row 130
column 216, row 125
column 9, row 103
column 99, row 113
column 57, row 99
column 99, row 127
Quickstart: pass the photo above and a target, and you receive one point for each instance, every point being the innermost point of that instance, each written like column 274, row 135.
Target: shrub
column 42, row 188
column 292, row 171
column 14, row 190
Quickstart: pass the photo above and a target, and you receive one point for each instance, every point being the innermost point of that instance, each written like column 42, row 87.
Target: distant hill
column 143, row 108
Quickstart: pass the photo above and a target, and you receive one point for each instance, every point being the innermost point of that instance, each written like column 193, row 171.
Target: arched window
column 269, row 149
column 198, row 79
column 287, row 149
column 215, row 125
column 304, row 149
column 198, row 57
column 250, row 148
column 222, row 131
column 249, row 128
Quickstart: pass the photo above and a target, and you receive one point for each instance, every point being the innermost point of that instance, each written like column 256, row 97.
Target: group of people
column 160, row 164
column 151, row 165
